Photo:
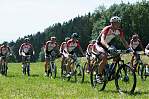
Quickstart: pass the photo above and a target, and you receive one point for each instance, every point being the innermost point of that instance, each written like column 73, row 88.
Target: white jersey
column 50, row 45
column 25, row 48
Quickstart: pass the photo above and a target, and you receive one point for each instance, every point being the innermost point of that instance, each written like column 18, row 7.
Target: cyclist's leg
column 102, row 63
column 88, row 63
column 132, row 60
column 46, row 64
column 2, row 63
column 76, row 62
column 28, row 65
column 136, row 58
column 23, row 65
column 62, row 62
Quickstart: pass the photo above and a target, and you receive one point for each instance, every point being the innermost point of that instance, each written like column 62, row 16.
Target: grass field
column 39, row 87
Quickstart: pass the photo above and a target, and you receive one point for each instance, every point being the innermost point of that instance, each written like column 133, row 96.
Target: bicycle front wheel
column 143, row 71
column 125, row 80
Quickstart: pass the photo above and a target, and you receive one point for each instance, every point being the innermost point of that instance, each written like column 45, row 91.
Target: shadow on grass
column 137, row 93
column 140, row 93
column 109, row 91
column 34, row 75
column 11, row 76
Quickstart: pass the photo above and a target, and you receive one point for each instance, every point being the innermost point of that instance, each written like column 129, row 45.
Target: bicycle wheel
column 84, row 70
column 93, row 79
column 28, row 69
column 143, row 72
column 54, row 70
column 80, row 73
column 125, row 80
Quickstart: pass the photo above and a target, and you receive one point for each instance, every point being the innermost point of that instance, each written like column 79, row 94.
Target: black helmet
column 75, row 35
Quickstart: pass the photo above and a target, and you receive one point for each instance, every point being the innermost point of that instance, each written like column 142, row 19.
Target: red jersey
column 71, row 45
column 110, row 34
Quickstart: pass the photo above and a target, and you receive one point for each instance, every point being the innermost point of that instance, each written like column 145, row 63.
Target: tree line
column 135, row 19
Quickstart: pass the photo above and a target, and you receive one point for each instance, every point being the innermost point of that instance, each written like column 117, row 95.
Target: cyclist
column 102, row 47
column 147, row 50
column 89, row 54
column 63, row 51
column 26, row 50
column 50, row 51
column 72, row 44
column 134, row 44
column 4, row 53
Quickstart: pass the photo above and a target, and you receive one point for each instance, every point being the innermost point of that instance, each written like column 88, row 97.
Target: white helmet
column 115, row 19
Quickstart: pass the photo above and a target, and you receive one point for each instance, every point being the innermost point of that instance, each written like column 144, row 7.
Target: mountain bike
column 124, row 81
column 26, row 64
column 141, row 67
column 86, row 69
column 52, row 69
column 76, row 70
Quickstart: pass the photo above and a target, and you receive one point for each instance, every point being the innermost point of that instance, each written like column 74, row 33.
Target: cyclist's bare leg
column 46, row 65
column 62, row 62
column 68, row 67
column 132, row 60
column 102, row 63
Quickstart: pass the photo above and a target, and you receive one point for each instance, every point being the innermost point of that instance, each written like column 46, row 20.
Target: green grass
column 39, row 87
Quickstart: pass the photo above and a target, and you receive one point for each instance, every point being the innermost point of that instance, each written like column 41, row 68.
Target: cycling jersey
column 26, row 48
column 63, row 47
column 89, row 48
column 4, row 50
column 110, row 34
column 71, row 45
column 50, row 45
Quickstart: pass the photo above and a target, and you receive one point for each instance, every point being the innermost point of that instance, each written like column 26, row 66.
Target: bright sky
column 22, row 17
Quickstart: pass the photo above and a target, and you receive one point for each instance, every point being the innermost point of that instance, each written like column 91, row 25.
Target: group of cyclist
column 102, row 46
column 99, row 48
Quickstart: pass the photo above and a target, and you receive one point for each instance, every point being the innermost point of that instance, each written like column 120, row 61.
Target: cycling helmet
column 75, row 35
column 115, row 19
column 93, row 41
column 26, row 39
column 67, row 38
column 53, row 38
column 135, row 36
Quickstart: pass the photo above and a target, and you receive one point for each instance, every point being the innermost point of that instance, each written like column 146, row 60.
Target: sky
column 23, row 17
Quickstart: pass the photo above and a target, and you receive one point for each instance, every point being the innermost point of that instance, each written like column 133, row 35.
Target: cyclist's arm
column 20, row 49
column 141, row 46
column 87, row 51
column 46, row 47
column 9, row 51
column 131, row 44
column 61, row 48
column 94, row 50
column 124, row 43
column 103, row 41
column 81, row 51
column 80, row 48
